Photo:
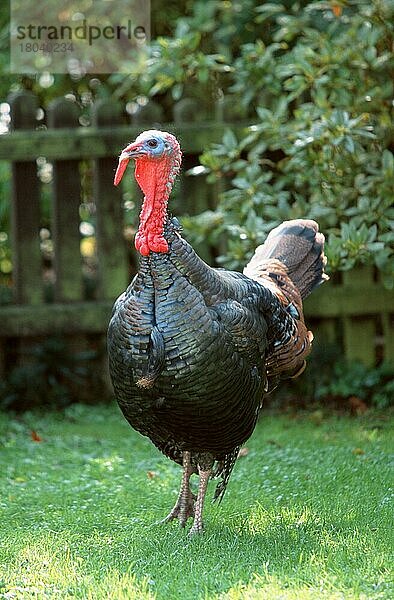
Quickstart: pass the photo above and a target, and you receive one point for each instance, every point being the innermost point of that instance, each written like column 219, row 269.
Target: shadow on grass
column 84, row 506
column 288, row 547
column 256, row 549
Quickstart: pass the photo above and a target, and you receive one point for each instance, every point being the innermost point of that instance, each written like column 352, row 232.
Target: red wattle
column 152, row 177
column 141, row 244
column 144, row 245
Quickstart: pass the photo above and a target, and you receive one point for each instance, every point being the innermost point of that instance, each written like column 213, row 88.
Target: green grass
column 306, row 515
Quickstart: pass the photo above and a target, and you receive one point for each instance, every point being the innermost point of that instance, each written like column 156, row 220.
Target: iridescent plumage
column 193, row 349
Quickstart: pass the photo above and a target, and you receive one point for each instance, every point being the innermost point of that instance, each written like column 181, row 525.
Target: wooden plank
column 359, row 340
column 387, row 328
column 388, row 334
column 324, row 330
column 194, row 193
column 2, row 359
column 92, row 142
column 152, row 113
column 65, row 215
column 341, row 300
column 111, row 245
column 25, row 213
column 358, row 277
column 193, row 189
column 359, row 333
column 44, row 319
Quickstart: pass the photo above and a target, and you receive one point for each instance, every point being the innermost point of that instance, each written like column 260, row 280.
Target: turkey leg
column 184, row 506
column 202, row 488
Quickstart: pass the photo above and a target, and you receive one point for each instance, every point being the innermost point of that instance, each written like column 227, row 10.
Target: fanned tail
column 291, row 264
column 299, row 246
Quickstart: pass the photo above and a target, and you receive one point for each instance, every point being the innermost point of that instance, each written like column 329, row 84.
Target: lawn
column 306, row 515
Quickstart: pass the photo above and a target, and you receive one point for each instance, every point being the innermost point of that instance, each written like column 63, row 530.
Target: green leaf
column 388, row 162
column 177, row 90
column 229, row 139
column 349, row 144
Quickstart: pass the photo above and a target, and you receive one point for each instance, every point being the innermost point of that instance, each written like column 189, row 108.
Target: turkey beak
column 132, row 151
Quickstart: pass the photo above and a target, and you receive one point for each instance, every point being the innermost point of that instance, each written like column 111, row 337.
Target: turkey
column 193, row 349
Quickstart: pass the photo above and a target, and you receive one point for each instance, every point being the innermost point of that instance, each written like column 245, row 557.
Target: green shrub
column 54, row 378
column 315, row 79
column 373, row 385
column 319, row 94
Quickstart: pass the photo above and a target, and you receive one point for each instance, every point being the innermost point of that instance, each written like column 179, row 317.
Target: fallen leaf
column 357, row 406
column 337, row 10
column 274, row 443
column 35, row 437
column 358, row 451
column 151, row 474
column 317, row 417
column 243, row 452
column 328, row 437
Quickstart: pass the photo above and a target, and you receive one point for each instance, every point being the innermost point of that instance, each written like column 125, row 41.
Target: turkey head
column 157, row 155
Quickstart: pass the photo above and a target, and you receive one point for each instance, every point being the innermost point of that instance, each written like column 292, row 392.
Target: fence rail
column 358, row 312
column 97, row 142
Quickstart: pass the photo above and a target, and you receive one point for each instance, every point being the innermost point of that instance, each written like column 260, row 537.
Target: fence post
column 63, row 113
column 152, row 112
column 194, row 191
column 111, row 245
column 388, row 331
column 388, row 337
column 359, row 333
column 25, row 215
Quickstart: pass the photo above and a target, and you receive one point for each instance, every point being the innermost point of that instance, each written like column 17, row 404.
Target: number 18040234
column 47, row 48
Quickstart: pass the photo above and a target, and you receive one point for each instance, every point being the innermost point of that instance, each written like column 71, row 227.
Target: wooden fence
column 357, row 312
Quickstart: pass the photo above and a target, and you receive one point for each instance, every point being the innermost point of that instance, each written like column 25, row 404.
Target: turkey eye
column 152, row 143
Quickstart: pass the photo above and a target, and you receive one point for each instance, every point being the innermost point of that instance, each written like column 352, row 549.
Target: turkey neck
column 155, row 178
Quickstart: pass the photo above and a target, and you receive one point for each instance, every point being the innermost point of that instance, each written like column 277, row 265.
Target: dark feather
column 193, row 349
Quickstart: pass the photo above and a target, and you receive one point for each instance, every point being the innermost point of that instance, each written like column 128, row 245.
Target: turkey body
column 187, row 346
column 193, row 349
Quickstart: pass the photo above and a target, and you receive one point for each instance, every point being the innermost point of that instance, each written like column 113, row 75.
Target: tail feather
column 299, row 246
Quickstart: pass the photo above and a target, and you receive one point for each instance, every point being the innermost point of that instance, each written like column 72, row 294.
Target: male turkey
column 193, row 349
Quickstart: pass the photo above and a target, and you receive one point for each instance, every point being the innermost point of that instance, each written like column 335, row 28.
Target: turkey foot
column 197, row 526
column 184, row 506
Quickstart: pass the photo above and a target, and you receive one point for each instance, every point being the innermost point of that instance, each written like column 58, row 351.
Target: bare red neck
column 155, row 178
